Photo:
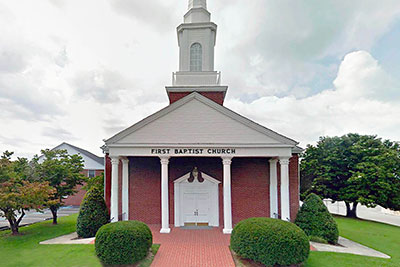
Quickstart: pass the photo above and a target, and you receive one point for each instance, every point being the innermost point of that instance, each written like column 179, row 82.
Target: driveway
column 34, row 216
column 377, row 214
column 189, row 248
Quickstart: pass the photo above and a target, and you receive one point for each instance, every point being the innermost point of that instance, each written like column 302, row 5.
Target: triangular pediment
column 197, row 120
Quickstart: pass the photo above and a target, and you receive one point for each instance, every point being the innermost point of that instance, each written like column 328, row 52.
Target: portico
column 273, row 155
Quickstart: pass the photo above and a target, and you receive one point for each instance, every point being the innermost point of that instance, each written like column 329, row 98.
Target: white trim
column 125, row 189
column 226, row 161
column 233, row 115
column 285, row 190
column 239, row 152
column 164, row 195
column 214, row 211
column 114, row 189
column 273, row 188
column 208, row 145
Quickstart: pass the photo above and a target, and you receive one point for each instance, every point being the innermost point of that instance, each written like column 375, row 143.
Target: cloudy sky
column 81, row 70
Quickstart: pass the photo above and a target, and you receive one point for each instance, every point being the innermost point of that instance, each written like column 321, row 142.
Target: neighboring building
column 93, row 166
column 197, row 162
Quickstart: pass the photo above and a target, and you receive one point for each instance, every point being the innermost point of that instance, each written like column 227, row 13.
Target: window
column 196, row 57
column 91, row 173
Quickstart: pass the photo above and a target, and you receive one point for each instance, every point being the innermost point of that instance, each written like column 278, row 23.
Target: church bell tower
column 196, row 40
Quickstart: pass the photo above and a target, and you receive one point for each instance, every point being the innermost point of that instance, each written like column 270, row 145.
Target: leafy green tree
column 17, row 194
column 62, row 171
column 356, row 169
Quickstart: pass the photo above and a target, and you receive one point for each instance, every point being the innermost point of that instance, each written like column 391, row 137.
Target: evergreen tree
column 316, row 221
column 93, row 213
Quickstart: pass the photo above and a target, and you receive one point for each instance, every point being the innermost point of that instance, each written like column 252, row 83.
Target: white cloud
column 358, row 103
column 86, row 69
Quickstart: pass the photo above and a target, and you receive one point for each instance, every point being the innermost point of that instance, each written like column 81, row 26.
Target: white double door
column 196, row 207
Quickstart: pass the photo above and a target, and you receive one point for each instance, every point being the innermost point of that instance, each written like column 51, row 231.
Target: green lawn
column 24, row 250
column 382, row 237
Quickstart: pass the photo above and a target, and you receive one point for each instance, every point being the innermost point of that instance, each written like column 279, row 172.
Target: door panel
column 188, row 207
column 202, row 207
column 196, row 208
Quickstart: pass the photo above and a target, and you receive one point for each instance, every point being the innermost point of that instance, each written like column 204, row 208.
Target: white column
column 273, row 188
column 285, row 198
column 164, row 196
column 227, row 196
column 114, row 189
column 125, row 189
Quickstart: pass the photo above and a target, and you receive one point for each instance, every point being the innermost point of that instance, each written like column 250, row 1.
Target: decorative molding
column 124, row 160
column 164, row 160
column 284, row 161
column 207, row 177
column 114, row 160
column 273, row 161
column 226, row 160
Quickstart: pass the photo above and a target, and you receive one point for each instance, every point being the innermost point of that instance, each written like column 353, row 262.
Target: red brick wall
column 217, row 97
column 145, row 190
column 76, row 199
column 107, row 177
column 250, row 186
column 294, row 186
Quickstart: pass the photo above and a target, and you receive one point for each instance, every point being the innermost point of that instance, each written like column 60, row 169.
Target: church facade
column 196, row 162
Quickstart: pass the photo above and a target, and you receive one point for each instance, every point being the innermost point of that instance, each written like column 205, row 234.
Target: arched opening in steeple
column 196, row 57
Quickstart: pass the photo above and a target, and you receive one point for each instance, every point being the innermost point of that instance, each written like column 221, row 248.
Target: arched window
column 196, row 57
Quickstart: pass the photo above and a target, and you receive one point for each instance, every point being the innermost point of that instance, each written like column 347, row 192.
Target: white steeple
column 197, row 12
column 197, row 3
column 196, row 40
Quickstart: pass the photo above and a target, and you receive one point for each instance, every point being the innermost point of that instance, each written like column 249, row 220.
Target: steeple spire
column 197, row 3
column 196, row 40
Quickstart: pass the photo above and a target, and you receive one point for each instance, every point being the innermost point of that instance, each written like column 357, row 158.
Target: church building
column 196, row 162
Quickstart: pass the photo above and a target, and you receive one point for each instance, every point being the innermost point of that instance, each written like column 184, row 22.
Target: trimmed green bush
column 270, row 241
column 124, row 242
column 93, row 214
column 315, row 220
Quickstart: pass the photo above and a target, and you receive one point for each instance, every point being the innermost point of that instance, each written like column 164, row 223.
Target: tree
column 62, row 171
column 17, row 194
column 316, row 221
column 96, row 182
column 93, row 213
column 356, row 169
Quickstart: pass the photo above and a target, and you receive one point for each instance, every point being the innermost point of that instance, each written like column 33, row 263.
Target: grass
column 382, row 237
column 24, row 249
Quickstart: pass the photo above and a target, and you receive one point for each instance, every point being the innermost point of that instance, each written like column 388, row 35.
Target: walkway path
column 190, row 248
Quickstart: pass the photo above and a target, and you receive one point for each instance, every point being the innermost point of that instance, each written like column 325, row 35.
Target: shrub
column 315, row 220
column 318, row 239
column 93, row 213
column 270, row 241
column 124, row 242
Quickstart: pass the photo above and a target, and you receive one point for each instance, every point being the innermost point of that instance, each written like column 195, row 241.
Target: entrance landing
column 190, row 248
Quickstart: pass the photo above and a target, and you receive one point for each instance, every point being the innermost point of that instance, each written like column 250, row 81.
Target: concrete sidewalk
column 348, row 246
column 34, row 216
